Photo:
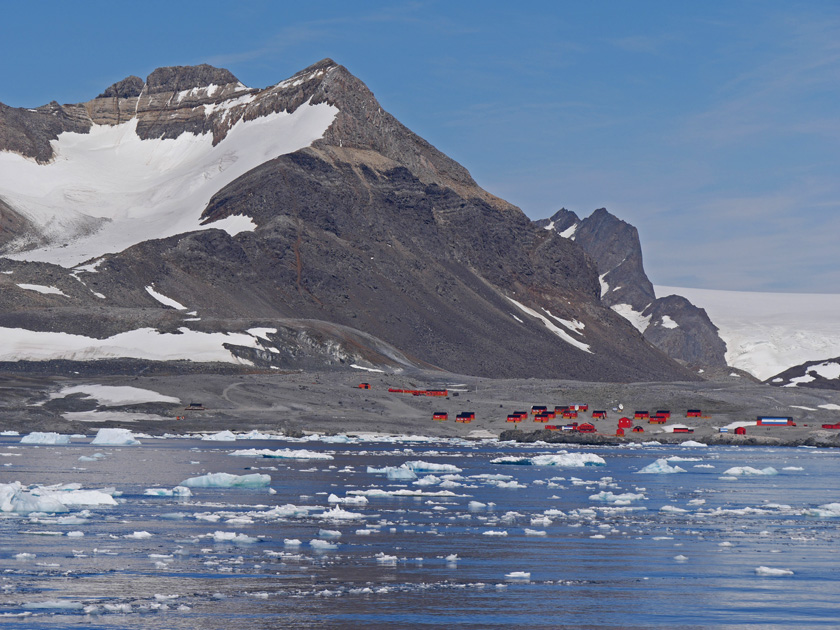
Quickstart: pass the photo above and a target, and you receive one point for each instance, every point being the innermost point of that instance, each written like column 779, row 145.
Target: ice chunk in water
column 661, row 466
column 317, row 543
column 221, row 436
column 748, row 471
column 518, row 575
column 771, row 572
column 114, row 437
column 37, row 437
column 226, row 480
column 429, row 467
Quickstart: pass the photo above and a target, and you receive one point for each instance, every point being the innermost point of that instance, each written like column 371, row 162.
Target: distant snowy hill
column 767, row 333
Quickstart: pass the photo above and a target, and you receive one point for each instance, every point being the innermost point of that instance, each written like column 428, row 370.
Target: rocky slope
column 353, row 242
column 812, row 374
column 672, row 323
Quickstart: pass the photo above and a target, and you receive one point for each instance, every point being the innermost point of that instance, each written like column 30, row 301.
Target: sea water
column 457, row 534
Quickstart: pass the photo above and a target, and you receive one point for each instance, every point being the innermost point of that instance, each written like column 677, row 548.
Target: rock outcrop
column 674, row 325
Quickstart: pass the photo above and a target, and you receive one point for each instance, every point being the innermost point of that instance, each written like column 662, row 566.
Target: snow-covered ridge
column 767, row 333
column 107, row 190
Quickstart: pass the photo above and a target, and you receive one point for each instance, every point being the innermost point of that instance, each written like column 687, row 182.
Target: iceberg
column 226, row 480
column 51, row 500
column 37, row 437
column 661, row 466
column 114, row 437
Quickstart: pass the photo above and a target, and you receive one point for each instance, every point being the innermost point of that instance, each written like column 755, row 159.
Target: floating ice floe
column 672, row 509
column 92, row 458
column 51, row 499
column 317, row 543
column 402, row 492
column 394, row 473
column 429, row 467
column 49, row 437
column 564, row 460
column 282, row 453
column 692, row 443
column 534, row 532
column 221, row 436
column 359, row 500
column 114, row 437
column 749, row 471
column 771, row 572
column 226, row 480
column 616, row 499
column 827, row 510
column 661, row 466
column 518, row 575
column 177, row 491
column 232, row 537
column 338, row 514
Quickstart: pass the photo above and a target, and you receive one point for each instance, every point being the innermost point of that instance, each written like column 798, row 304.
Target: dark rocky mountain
column 823, row 374
column 367, row 246
column 672, row 324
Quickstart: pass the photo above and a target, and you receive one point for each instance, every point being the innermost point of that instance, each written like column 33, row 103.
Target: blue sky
column 711, row 126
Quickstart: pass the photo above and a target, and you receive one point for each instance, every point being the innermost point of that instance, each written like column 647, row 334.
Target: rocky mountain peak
column 674, row 325
column 180, row 78
column 127, row 88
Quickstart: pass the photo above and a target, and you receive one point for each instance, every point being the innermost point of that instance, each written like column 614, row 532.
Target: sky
column 713, row 127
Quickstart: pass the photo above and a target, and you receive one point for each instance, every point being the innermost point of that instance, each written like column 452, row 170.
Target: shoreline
column 331, row 402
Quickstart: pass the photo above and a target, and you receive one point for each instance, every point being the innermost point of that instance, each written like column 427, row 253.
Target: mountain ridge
column 358, row 224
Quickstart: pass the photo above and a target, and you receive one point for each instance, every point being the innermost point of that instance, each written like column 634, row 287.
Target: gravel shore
column 332, row 402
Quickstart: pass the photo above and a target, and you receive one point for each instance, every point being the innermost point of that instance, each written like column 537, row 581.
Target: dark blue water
column 592, row 564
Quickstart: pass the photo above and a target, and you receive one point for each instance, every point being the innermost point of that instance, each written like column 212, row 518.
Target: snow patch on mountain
column 166, row 301
column 767, row 333
column 667, row 322
column 553, row 328
column 640, row 322
column 107, row 190
column 42, row 289
column 143, row 343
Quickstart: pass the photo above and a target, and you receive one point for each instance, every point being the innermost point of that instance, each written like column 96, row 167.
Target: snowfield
column 107, row 189
column 144, row 343
column 767, row 333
